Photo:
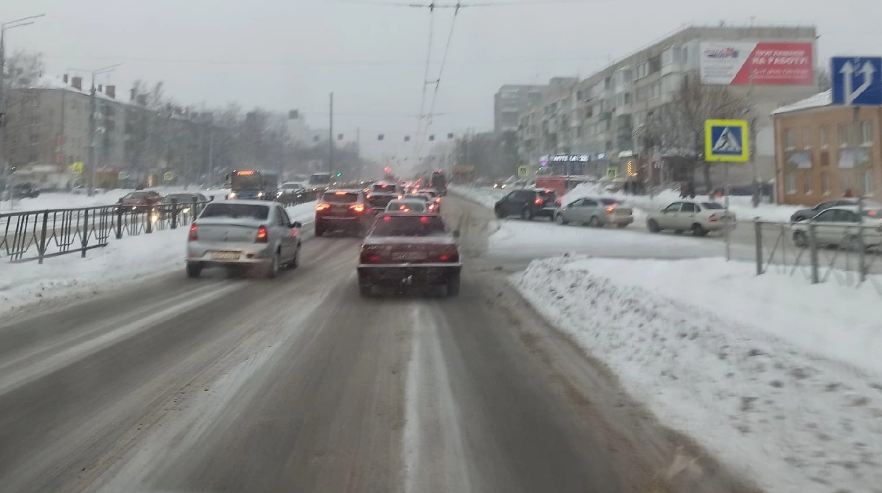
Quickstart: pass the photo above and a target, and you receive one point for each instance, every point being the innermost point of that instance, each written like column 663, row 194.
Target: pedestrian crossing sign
column 726, row 141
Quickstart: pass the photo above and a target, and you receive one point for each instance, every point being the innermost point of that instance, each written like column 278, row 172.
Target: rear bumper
column 619, row 220
column 249, row 253
column 407, row 274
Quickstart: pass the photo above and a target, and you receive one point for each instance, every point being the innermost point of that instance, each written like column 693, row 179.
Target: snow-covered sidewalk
column 776, row 377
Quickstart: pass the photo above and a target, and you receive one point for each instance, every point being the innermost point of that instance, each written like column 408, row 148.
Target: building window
column 867, row 182
column 790, row 183
column 823, row 137
column 806, row 138
column 789, row 139
column 867, row 133
column 807, row 183
column 825, row 183
column 844, row 130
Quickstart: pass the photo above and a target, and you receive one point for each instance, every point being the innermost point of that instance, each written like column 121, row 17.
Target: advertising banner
column 759, row 63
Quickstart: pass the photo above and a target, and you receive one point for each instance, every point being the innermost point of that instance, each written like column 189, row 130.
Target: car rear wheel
column 559, row 219
column 594, row 222
column 698, row 230
column 272, row 270
column 498, row 212
column 800, row 239
column 652, row 225
column 453, row 285
column 295, row 262
column 621, row 225
column 527, row 214
column 319, row 230
column 194, row 269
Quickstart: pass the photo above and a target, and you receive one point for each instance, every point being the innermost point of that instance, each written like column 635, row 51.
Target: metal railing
column 37, row 235
column 847, row 254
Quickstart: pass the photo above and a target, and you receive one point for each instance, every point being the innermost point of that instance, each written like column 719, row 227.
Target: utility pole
column 93, row 165
column 6, row 26
column 331, row 136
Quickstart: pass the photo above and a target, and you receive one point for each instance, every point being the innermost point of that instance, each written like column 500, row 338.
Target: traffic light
column 431, row 138
column 339, row 174
column 407, row 138
column 381, row 137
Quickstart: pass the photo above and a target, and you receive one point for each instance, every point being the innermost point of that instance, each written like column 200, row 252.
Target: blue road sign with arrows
column 857, row 80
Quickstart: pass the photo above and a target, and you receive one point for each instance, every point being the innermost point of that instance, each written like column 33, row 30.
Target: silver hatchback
column 243, row 233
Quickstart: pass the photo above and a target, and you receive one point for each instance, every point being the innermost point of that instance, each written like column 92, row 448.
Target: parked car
column 343, row 209
column 405, row 250
column 527, row 203
column 805, row 214
column 595, row 212
column 243, row 233
column 25, row 191
column 841, row 226
column 698, row 217
column 140, row 201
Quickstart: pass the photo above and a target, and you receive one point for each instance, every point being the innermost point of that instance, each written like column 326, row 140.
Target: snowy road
column 299, row 384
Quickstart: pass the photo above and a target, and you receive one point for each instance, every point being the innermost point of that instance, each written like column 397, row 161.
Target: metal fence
column 846, row 254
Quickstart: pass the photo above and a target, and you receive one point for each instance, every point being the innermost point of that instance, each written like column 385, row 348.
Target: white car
column 595, row 212
column 700, row 218
column 839, row 226
column 407, row 205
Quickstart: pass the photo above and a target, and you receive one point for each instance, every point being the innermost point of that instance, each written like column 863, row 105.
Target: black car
column 381, row 193
column 527, row 204
column 806, row 214
column 343, row 209
column 25, row 191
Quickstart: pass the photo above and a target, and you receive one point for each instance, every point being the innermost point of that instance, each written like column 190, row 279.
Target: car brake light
column 424, row 219
column 538, row 201
column 357, row 207
column 449, row 254
column 194, row 232
column 387, row 218
column 370, row 255
column 262, row 235
column 322, row 206
column 610, row 209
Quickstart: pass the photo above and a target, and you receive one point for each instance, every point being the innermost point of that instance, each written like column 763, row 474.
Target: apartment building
column 510, row 101
column 602, row 114
column 825, row 151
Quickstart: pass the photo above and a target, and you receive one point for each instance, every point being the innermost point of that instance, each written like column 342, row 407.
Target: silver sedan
column 596, row 212
column 244, row 233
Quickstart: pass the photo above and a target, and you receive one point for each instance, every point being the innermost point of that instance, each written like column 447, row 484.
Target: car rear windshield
column 547, row 196
column 138, row 195
column 609, row 201
column 711, row 205
column 340, row 197
column 407, row 205
column 384, row 188
column 180, row 197
column 417, row 197
column 236, row 211
column 408, row 226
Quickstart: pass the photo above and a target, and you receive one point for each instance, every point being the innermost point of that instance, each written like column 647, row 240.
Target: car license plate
column 409, row 256
column 225, row 255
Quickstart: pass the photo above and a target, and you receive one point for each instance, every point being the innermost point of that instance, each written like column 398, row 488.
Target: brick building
column 824, row 151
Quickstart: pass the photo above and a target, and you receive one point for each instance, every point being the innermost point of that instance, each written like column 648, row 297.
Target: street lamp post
column 6, row 26
column 93, row 165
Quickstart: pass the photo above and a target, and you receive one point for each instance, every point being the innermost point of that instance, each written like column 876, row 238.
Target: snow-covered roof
column 51, row 82
column 817, row 101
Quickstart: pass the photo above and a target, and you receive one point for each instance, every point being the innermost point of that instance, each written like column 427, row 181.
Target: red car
column 140, row 201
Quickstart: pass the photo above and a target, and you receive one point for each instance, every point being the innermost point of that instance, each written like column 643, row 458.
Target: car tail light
column 194, row 232
column 610, row 209
column 387, row 218
column 358, row 208
column 424, row 219
column 262, row 235
column 538, row 201
column 449, row 254
column 322, row 206
column 370, row 255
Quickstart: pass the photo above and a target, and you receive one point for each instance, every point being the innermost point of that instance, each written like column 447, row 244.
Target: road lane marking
column 434, row 457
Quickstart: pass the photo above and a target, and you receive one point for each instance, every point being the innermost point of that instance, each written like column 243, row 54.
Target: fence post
column 119, row 215
column 758, row 235
column 149, row 220
column 85, row 236
column 43, row 236
column 174, row 221
column 813, row 248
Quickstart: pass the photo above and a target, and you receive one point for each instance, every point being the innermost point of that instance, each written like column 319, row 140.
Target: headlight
column 232, row 195
column 259, row 194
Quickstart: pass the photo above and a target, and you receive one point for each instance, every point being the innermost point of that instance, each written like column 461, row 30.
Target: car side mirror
column 456, row 233
column 297, row 224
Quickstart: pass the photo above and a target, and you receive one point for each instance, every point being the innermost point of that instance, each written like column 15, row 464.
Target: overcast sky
column 283, row 54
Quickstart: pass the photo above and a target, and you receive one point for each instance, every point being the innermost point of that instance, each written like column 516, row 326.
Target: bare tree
column 23, row 69
column 677, row 128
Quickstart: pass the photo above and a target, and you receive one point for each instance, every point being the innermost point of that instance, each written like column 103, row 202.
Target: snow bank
column 778, row 378
column 71, row 277
column 66, row 200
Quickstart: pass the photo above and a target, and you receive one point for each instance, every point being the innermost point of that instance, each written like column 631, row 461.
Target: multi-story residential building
column 510, row 101
column 825, row 151
column 601, row 115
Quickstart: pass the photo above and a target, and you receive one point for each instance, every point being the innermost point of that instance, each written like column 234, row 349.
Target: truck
column 252, row 184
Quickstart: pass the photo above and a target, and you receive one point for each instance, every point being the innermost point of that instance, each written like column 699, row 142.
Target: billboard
column 742, row 63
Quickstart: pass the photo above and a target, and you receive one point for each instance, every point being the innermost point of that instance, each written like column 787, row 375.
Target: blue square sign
column 726, row 141
column 857, row 80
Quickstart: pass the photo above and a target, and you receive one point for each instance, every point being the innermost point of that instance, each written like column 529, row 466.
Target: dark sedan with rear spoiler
column 409, row 250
